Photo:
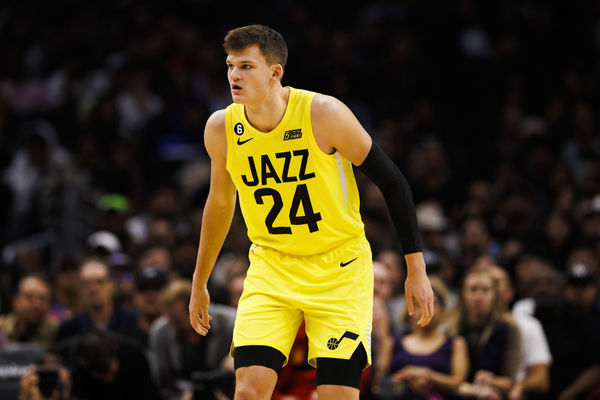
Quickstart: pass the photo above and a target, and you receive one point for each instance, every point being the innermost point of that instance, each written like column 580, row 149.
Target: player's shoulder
column 216, row 122
column 326, row 108
column 326, row 104
column 215, row 135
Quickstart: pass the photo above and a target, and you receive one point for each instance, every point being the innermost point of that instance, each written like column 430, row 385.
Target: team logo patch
column 238, row 129
column 292, row 134
column 333, row 343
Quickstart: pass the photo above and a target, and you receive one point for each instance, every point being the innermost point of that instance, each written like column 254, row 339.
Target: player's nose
column 234, row 73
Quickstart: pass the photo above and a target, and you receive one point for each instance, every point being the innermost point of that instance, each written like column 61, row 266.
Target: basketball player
column 288, row 153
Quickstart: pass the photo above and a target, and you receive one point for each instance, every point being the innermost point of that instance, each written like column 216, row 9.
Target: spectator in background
column 122, row 276
column 558, row 238
column 441, row 264
column 383, row 323
column 30, row 321
column 587, row 256
column 123, row 175
column 581, row 291
column 176, row 348
column 533, row 379
column 184, row 256
column 66, row 290
column 393, row 261
column 46, row 382
column 391, row 280
column 162, row 204
column 149, row 283
column 106, row 366
column 99, row 311
column 137, row 104
column 476, row 240
column 38, row 154
column 526, row 268
column 113, row 210
column 433, row 225
column 479, row 201
column 382, row 283
column 161, row 231
column 157, row 256
column 433, row 177
column 589, row 217
column 19, row 260
column 234, row 280
column 572, row 337
column 103, row 243
column 581, row 296
column 426, row 362
column 494, row 341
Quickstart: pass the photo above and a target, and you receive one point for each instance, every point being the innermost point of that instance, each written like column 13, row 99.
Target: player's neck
column 266, row 114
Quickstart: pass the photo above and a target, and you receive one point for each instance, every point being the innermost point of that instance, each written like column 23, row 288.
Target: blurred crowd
column 489, row 108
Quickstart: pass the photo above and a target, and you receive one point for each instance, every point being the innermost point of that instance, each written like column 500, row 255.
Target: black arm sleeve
column 397, row 194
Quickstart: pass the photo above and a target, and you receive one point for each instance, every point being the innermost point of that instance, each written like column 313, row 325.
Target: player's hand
column 198, row 308
column 417, row 287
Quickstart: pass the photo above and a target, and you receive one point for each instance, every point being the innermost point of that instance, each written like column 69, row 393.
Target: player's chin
column 237, row 98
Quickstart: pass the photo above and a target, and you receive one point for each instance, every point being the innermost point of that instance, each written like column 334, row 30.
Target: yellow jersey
column 294, row 198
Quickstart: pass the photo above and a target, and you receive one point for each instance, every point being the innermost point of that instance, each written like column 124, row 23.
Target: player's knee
column 335, row 392
column 254, row 383
column 246, row 391
column 253, row 389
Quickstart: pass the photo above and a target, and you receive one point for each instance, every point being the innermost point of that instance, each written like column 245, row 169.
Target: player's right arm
column 216, row 220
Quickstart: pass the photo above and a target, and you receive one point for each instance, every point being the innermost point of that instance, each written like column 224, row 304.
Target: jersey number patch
column 301, row 198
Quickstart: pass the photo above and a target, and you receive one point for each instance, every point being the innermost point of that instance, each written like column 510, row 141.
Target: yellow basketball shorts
column 332, row 292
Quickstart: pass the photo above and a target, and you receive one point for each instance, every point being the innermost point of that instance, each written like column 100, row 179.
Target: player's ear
column 276, row 72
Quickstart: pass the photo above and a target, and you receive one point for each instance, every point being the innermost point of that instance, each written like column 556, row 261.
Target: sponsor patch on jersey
column 293, row 134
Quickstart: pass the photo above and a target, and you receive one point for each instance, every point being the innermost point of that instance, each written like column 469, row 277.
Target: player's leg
column 265, row 327
column 254, row 383
column 338, row 309
column 340, row 379
column 256, row 371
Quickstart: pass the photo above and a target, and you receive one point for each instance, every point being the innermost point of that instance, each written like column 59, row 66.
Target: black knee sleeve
column 246, row 356
column 335, row 371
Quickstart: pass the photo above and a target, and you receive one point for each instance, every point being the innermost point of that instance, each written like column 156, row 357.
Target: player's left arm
column 336, row 128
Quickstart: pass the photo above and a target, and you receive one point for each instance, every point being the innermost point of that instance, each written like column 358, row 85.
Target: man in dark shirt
column 572, row 336
column 99, row 310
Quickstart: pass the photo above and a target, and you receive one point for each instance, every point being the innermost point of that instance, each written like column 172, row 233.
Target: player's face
column 249, row 75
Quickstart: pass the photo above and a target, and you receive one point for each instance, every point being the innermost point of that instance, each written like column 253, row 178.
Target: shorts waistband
column 350, row 242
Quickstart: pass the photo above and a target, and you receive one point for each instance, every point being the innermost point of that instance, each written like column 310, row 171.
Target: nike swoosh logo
column 244, row 141
column 343, row 264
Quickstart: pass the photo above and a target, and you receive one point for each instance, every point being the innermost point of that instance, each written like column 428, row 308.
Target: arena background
column 490, row 108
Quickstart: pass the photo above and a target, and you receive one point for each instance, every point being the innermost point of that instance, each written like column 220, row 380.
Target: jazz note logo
column 333, row 343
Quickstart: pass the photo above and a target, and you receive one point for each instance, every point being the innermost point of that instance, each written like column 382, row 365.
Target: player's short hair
column 269, row 41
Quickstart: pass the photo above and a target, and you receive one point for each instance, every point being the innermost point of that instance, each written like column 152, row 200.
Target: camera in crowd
column 49, row 380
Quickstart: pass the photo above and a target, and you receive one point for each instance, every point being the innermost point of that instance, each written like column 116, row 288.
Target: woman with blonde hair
column 427, row 363
column 493, row 338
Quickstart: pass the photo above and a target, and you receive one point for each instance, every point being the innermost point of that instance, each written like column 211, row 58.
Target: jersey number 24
column 301, row 197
